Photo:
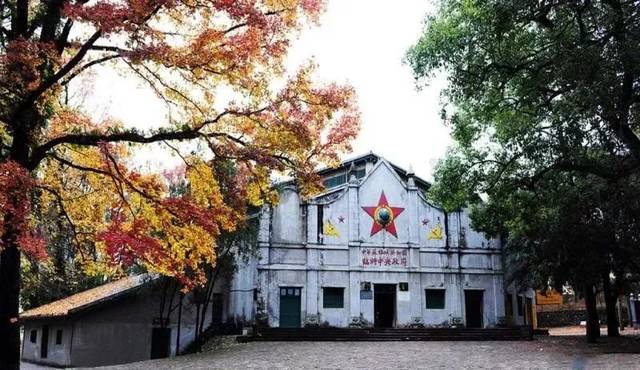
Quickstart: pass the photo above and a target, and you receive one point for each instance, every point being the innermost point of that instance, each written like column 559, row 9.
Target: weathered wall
column 422, row 253
column 553, row 319
column 519, row 318
column 58, row 354
column 114, row 333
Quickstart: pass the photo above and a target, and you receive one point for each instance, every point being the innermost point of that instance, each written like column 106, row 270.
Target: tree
column 544, row 111
column 216, row 64
column 565, row 72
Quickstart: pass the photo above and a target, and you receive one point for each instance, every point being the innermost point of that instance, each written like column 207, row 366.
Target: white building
column 371, row 251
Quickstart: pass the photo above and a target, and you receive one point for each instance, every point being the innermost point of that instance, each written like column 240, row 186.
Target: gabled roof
column 87, row 299
column 364, row 158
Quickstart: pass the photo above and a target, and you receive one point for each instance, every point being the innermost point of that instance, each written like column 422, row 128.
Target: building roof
column 369, row 157
column 87, row 299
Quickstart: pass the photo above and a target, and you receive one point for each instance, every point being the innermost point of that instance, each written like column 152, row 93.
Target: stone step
column 385, row 334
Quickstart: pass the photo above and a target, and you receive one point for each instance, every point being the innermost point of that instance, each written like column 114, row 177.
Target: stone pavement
column 543, row 353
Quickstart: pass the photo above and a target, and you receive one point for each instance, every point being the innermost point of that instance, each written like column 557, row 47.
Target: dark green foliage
column 544, row 105
column 59, row 276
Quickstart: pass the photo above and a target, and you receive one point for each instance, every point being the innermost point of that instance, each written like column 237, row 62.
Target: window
column 332, row 297
column 335, row 181
column 434, row 298
column 404, row 287
column 508, row 304
column 33, row 336
column 520, row 309
column 290, row 292
column 59, row 336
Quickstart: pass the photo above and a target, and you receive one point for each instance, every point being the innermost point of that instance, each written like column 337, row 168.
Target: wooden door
column 290, row 307
column 384, row 305
column 473, row 304
column 160, row 340
column 44, row 342
column 217, row 307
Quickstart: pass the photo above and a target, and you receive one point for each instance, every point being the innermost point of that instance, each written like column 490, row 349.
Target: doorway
column 290, row 307
column 44, row 342
column 384, row 305
column 216, row 309
column 160, row 339
column 473, row 304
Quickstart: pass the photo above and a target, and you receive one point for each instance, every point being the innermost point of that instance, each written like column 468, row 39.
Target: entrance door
column 160, row 339
column 473, row 308
column 216, row 308
column 290, row 307
column 44, row 342
column 384, row 305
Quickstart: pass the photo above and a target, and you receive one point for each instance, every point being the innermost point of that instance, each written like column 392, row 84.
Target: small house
column 133, row 319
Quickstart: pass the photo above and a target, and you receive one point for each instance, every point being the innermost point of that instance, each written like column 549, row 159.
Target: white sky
column 359, row 42
column 363, row 42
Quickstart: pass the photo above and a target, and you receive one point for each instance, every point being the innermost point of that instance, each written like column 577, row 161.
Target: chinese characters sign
column 384, row 257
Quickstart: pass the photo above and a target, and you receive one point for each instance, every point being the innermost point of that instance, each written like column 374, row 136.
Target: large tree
column 218, row 67
column 524, row 71
column 543, row 102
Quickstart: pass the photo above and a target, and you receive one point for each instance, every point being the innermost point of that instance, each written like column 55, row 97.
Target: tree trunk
column 593, row 322
column 179, row 325
column 610, row 298
column 9, row 302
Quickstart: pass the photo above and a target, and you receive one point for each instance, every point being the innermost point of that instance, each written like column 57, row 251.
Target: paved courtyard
column 564, row 349
column 545, row 353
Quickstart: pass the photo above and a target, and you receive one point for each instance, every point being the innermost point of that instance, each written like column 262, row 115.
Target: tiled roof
column 371, row 156
column 86, row 299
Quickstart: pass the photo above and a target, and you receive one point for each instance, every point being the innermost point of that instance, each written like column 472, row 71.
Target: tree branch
column 89, row 65
column 134, row 137
column 34, row 95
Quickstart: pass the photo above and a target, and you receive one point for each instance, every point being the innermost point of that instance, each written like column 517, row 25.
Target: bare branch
column 89, row 65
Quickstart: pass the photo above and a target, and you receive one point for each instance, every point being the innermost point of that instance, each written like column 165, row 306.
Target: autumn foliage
column 15, row 210
column 185, row 51
column 235, row 116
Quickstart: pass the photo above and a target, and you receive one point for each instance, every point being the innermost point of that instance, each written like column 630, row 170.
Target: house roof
column 87, row 299
column 363, row 158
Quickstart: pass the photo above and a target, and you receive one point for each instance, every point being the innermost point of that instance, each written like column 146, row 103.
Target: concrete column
column 312, row 297
column 412, row 211
column 416, row 292
column 353, row 209
column 264, row 225
column 312, row 224
column 354, row 295
column 264, row 235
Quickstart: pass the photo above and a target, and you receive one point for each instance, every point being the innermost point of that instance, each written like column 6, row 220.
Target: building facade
column 132, row 319
column 369, row 251
column 372, row 251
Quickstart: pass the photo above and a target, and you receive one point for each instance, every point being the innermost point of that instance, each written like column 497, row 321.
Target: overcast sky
column 363, row 42
column 360, row 42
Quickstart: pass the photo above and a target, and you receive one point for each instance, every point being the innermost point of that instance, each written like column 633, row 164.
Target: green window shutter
column 435, row 298
column 332, row 297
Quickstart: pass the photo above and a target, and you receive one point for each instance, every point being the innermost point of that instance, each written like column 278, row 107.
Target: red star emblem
column 383, row 216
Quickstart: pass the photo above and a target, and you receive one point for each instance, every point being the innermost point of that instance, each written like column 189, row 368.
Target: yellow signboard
column 548, row 297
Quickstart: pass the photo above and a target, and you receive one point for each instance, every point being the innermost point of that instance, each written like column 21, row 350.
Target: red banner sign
column 392, row 257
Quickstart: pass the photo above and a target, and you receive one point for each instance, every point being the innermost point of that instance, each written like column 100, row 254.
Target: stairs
column 391, row 334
